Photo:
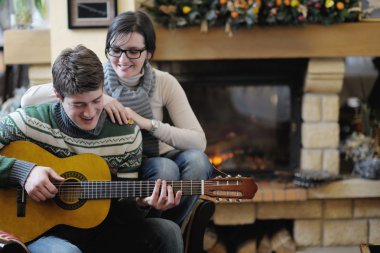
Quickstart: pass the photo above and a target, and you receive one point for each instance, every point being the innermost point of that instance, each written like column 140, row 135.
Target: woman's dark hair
column 76, row 71
column 132, row 21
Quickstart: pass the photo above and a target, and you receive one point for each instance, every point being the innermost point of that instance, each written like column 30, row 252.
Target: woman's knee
column 195, row 164
column 195, row 157
column 159, row 168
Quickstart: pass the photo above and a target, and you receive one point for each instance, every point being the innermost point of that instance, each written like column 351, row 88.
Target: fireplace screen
column 248, row 127
column 249, row 110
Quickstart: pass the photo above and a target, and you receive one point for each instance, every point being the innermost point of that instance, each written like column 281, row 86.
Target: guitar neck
column 124, row 189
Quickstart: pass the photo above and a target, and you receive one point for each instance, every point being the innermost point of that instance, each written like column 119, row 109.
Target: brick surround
column 336, row 214
column 341, row 213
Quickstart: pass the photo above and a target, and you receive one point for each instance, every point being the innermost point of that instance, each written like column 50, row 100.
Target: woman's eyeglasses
column 130, row 53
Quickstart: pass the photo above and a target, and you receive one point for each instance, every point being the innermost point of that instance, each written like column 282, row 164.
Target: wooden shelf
column 310, row 41
column 27, row 46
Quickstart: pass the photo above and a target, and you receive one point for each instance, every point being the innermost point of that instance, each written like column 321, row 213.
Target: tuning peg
column 230, row 200
column 217, row 199
column 238, row 176
column 238, row 200
column 228, row 176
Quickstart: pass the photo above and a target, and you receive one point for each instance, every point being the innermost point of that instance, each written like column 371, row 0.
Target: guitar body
column 41, row 216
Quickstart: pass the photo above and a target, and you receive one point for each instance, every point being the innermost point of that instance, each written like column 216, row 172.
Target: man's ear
column 60, row 98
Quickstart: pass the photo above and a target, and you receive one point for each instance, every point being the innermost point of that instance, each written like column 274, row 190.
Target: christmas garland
column 236, row 13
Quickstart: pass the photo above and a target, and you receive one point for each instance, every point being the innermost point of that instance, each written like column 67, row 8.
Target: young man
column 74, row 125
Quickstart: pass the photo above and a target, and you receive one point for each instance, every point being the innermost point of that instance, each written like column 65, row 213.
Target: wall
column 62, row 37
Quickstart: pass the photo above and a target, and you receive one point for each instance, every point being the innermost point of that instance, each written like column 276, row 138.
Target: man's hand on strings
column 39, row 184
column 162, row 198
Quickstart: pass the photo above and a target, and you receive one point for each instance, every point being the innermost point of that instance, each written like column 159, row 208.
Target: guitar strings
column 109, row 189
column 231, row 182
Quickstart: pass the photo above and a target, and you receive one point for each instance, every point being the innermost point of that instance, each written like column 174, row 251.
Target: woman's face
column 123, row 66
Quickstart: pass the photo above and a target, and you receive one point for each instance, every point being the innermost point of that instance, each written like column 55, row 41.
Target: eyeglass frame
column 126, row 52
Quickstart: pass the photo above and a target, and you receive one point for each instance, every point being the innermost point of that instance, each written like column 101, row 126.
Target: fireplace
column 250, row 111
column 323, row 215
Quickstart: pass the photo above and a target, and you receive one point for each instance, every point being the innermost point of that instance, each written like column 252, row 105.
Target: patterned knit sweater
column 48, row 126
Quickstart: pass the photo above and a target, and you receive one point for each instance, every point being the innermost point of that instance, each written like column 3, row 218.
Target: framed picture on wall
column 370, row 10
column 91, row 13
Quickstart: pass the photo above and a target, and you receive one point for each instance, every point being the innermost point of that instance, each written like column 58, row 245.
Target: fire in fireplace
column 249, row 110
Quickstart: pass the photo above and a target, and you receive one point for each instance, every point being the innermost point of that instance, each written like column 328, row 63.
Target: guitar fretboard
column 124, row 189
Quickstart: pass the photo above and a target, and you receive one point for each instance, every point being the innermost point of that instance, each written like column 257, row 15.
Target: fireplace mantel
column 310, row 41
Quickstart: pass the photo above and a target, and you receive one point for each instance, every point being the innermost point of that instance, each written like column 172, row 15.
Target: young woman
column 137, row 91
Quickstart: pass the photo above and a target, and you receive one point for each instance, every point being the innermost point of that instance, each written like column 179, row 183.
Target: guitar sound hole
column 69, row 192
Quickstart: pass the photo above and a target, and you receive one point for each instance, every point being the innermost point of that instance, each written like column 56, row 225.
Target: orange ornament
column 258, row 2
column 234, row 14
column 243, row 4
column 222, row 2
column 340, row 6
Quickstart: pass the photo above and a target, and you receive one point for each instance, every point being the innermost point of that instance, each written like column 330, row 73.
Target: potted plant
column 23, row 13
column 362, row 147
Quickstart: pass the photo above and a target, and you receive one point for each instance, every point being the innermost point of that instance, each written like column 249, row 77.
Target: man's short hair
column 76, row 71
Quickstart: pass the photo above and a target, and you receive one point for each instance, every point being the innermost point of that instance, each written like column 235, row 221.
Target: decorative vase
column 369, row 168
column 23, row 13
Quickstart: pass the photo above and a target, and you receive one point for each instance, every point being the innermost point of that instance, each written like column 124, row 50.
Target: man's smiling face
column 84, row 109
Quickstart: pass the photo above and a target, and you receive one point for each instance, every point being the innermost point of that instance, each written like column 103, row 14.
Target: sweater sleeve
column 20, row 172
column 12, row 171
column 39, row 94
column 186, row 132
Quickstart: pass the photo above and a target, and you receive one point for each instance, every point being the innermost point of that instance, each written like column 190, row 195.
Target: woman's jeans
column 177, row 165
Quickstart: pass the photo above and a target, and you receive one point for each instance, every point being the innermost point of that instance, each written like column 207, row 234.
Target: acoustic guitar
column 84, row 197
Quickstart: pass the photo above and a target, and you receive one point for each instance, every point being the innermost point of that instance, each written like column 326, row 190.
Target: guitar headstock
column 231, row 187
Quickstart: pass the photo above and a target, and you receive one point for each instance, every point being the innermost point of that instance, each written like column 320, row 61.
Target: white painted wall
column 62, row 37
